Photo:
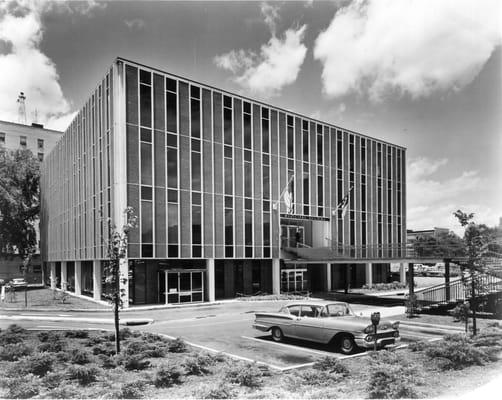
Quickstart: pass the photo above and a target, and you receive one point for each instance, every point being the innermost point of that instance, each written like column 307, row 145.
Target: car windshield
column 336, row 310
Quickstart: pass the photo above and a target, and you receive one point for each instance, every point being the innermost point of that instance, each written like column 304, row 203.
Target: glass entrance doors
column 292, row 235
column 183, row 286
column 294, row 280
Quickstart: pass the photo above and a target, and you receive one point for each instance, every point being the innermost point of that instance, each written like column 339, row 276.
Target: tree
column 19, row 202
column 445, row 245
column 476, row 237
column 117, row 255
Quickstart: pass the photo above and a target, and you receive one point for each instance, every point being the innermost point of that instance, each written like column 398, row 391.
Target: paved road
column 226, row 328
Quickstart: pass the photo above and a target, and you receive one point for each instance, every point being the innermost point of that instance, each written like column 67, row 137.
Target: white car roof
column 320, row 303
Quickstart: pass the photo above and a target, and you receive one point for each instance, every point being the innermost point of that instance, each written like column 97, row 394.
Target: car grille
column 385, row 335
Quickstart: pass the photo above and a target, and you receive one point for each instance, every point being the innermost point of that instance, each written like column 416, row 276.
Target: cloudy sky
column 424, row 74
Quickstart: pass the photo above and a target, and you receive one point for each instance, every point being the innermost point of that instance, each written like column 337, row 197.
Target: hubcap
column 347, row 344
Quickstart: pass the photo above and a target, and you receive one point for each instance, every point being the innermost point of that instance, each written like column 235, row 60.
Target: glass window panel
column 145, row 77
column 228, row 151
column 305, row 146
column 229, row 227
column 229, row 202
column 248, row 228
column 196, row 198
column 146, row 163
column 146, row 222
column 266, row 229
column 195, row 117
column 196, row 225
column 227, row 123
column 247, row 107
column 196, row 281
column 247, row 155
column 319, row 149
column 266, row 159
column 228, row 176
column 145, row 101
column 196, row 184
column 227, row 101
column 172, row 140
column 171, row 85
column 146, row 135
column 248, row 204
column 248, row 180
column 266, row 182
column 172, row 196
column 264, row 136
column 146, row 193
column 172, row 168
column 247, row 131
column 195, row 92
column 291, row 153
column 172, row 223
column 171, row 114
column 196, row 145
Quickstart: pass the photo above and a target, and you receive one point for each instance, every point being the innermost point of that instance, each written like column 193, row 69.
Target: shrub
column 80, row 356
column 314, row 377
column 49, row 336
column 391, row 382
column 455, row 353
column 12, row 335
column 218, row 391
column 124, row 334
column 53, row 379
column 177, row 345
column 131, row 390
column 245, row 375
column 23, row 387
column 78, row 334
column 84, row 374
column 96, row 340
column 331, row 364
column 167, row 375
column 148, row 350
column 16, row 329
column 62, row 356
column 108, row 361
column 418, row 346
column 37, row 364
column 13, row 352
column 153, row 338
column 106, row 349
column 133, row 362
column 62, row 392
column 53, row 346
column 198, row 364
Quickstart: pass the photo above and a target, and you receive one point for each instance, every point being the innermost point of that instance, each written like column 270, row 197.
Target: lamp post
column 375, row 320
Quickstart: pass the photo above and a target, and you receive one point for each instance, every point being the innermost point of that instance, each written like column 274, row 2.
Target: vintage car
column 329, row 323
column 18, row 283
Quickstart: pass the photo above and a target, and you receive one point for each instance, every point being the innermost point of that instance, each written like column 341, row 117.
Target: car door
column 288, row 326
column 310, row 325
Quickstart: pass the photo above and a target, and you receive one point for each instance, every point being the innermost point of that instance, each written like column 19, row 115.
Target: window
column 247, row 125
column 40, row 143
column 195, row 111
column 305, row 135
column 265, row 130
column 319, row 144
column 145, row 98
column 2, row 138
column 227, row 119
column 171, row 105
column 40, row 157
column 22, row 142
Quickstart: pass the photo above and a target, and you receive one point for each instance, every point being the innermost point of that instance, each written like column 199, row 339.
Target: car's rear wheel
column 277, row 334
column 346, row 344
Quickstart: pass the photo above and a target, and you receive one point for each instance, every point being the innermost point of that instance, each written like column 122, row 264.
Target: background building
column 207, row 172
column 40, row 142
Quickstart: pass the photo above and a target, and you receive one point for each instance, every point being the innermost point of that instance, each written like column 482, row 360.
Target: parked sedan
column 327, row 322
column 18, row 283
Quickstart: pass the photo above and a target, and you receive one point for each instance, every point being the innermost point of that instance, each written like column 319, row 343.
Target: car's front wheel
column 346, row 344
column 277, row 334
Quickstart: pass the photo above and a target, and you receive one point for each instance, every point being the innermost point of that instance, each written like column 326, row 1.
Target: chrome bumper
column 262, row 328
column 382, row 342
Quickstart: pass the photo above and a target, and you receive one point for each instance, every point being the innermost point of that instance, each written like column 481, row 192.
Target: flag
column 344, row 204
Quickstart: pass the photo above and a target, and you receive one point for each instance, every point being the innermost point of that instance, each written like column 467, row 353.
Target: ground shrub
column 84, row 374
column 80, row 357
column 78, row 334
column 62, row 392
column 455, row 352
column 489, row 338
column 167, row 375
column 108, row 361
column 219, row 390
column 13, row 352
column 124, row 334
column 51, row 347
column 37, row 364
column 133, row 362
column 331, row 364
column 313, row 377
column 418, row 346
column 62, row 356
column 22, row 387
column 48, row 336
column 12, row 335
column 153, row 338
column 96, row 340
column 391, row 382
column 245, row 375
column 105, row 348
column 131, row 390
column 177, row 345
column 148, row 350
column 53, row 379
column 199, row 364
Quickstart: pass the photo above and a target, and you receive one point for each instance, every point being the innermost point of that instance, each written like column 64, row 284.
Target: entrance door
column 184, row 286
column 292, row 235
column 293, row 280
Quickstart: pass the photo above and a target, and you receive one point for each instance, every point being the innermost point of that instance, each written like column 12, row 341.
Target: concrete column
column 276, row 276
column 402, row 273
column 447, row 278
column 53, row 275
column 368, row 272
column 96, row 279
column 328, row 277
column 411, row 277
column 124, row 281
column 210, row 287
column 78, row 277
column 64, row 276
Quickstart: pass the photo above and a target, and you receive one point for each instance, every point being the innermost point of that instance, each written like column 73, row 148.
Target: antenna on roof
column 21, row 110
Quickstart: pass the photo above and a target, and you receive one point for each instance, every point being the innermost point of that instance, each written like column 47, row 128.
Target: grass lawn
column 82, row 364
column 45, row 299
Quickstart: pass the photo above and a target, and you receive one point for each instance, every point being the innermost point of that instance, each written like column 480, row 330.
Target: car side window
column 294, row 310
column 336, row 310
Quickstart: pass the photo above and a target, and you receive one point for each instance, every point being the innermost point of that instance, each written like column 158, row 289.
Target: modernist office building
column 233, row 196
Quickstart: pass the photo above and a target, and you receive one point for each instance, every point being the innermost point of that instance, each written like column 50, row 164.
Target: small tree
column 476, row 238
column 117, row 254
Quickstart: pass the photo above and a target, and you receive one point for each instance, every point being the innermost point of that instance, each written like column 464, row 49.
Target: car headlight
column 384, row 327
column 369, row 329
column 395, row 325
column 369, row 338
column 396, row 334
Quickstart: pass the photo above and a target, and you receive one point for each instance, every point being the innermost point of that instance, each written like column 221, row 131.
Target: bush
column 245, row 375
column 218, row 391
column 23, row 387
column 12, row 335
column 51, row 347
column 62, row 392
column 418, row 346
column 198, row 364
column 49, row 336
column 108, row 361
column 177, row 345
column 96, row 340
column 455, row 352
column 386, row 286
column 80, row 357
column 124, row 334
column 131, row 390
column 153, row 338
column 53, row 379
column 106, row 349
column 84, row 374
column 133, row 362
column 331, row 364
column 62, row 356
column 167, row 375
column 78, row 334
column 313, row 377
column 148, row 350
column 13, row 352
column 37, row 364
column 391, row 382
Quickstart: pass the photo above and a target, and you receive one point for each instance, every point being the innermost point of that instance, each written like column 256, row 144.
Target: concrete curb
column 124, row 321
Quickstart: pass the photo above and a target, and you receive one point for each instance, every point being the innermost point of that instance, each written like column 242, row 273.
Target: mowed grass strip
column 83, row 364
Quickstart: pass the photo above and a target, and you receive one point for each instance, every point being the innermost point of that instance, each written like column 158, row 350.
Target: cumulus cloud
column 431, row 200
column 406, row 46
column 135, row 23
column 277, row 64
column 24, row 67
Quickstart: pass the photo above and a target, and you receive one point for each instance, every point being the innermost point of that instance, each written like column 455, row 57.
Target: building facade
column 233, row 196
